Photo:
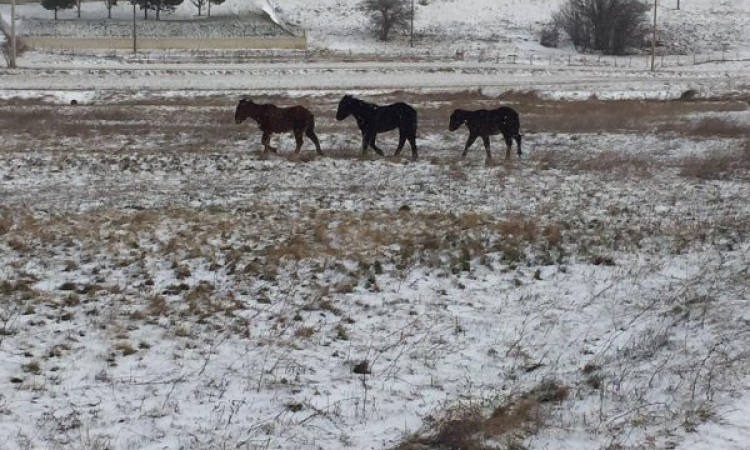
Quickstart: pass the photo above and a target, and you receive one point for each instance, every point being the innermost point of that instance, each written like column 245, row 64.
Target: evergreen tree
column 56, row 5
column 158, row 6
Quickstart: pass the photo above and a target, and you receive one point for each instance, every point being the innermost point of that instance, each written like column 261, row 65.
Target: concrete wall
column 54, row 43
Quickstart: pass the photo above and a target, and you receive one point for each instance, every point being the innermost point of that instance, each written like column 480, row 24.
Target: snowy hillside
column 504, row 26
column 699, row 26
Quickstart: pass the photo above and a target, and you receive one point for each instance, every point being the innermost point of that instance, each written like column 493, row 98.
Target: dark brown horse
column 272, row 119
column 485, row 123
column 373, row 119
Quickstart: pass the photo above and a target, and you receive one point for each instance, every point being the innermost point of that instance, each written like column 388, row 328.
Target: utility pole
column 135, row 38
column 13, row 51
column 411, row 38
column 678, row 5
column 653, row 40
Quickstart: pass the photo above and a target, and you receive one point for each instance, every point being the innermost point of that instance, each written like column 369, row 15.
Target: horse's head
column 458, row 118
column 243, row 110
column 345, row 106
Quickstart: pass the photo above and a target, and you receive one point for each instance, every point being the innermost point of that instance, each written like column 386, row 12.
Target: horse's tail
column 310, row 132
column 310, row 128
column 311, row 123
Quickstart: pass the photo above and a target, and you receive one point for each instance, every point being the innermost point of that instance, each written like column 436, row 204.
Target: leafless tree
column 388, row 16
column 109, row 4
column 608, row 26
column 5, row 51
column 200, row 4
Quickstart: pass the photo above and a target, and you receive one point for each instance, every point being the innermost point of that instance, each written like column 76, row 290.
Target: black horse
column 373, row 119
column 484, row 123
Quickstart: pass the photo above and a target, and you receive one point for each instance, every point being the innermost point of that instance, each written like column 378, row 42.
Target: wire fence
column 635, row 62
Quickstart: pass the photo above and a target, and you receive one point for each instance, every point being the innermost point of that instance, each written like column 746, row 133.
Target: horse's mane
column 359, row 102
column 461, row 114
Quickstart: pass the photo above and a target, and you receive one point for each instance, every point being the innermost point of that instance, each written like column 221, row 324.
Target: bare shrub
column 388, row 16
column 608, row 26
column 550, row 36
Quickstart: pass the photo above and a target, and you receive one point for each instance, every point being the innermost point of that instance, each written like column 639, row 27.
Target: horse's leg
column 518, row 138
column 401, row 143
column 365, row 142
column 314, row 137
column 375, row 147
column 486, row 139
column 266, row 141
column 413, row 145
column 472, row 137
column 508, row 146
column 298, row 139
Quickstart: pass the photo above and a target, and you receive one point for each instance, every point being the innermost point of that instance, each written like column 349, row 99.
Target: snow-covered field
column 164, row 285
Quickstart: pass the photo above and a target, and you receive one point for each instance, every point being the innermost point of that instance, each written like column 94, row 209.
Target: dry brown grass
column 194, row 125
column 599, row 116
column 707, row 127
column 5, row 225
column 577, row 117
column 717, row 166
column 467, row 428
column 614, row 162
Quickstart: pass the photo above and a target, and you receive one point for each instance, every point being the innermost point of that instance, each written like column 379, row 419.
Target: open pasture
column 166, row 285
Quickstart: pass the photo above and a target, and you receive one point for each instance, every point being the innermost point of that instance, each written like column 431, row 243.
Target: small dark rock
column 67, row 286
column 362, row 368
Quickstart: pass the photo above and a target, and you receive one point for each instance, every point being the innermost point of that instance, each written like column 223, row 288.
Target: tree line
column 609, row 27
column 155, row 6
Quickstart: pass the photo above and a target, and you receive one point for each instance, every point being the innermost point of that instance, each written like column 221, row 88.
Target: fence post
column 570, row 58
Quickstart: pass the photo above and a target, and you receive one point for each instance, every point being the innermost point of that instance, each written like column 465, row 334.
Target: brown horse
column 272, row 119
